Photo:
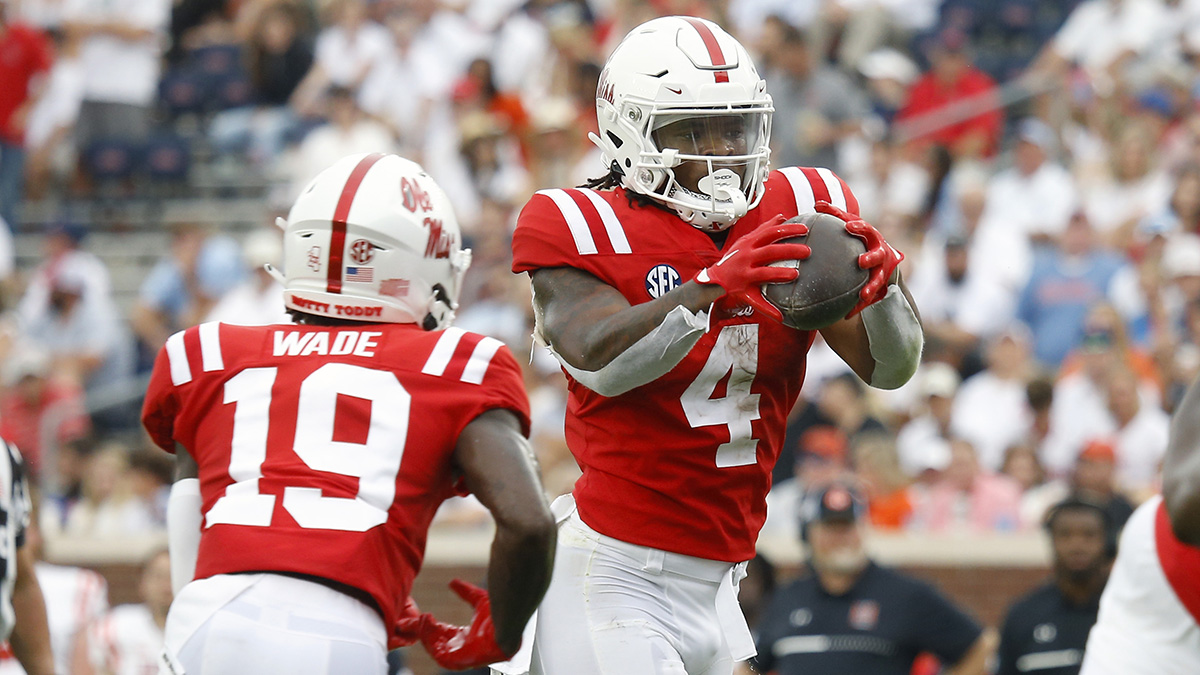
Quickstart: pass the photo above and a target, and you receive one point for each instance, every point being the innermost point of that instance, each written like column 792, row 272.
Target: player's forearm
column 1181, row 468
column 518, row 575
column 30, row 637
column 589, row 324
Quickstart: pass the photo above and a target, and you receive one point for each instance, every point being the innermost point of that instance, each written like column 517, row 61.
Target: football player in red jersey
column 312, row 457
column 681, row 375
column 1149, row 620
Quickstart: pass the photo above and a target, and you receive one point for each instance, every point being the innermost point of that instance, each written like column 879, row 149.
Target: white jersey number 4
column 735, row 354
column 375, row 463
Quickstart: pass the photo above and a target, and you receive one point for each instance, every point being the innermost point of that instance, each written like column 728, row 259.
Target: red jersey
column 325, row 450
column 25, row 52
column 682, row 463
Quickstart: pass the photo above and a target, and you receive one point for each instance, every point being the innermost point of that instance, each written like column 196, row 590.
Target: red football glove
column 457, row 647
column 746, row 267
column 404, row 633
column 880, row 259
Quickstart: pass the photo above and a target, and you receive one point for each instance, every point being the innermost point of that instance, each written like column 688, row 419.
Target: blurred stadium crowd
column 1038, row 161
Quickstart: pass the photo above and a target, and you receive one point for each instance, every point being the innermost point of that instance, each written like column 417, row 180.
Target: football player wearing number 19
column 311, row 457
column 647, row 288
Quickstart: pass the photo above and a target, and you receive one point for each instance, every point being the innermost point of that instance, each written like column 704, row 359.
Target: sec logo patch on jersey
column 661, row 279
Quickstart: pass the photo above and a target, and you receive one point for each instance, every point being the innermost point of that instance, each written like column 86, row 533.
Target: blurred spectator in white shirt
column 991, row 409
column 1139, row 434
column 128, row 639
column 1036, row 196
column 347, row 48
column 258, row 300
column 1080, row 408
column 348, row 132
column 61, row 248
column 75, row 597
column 122, row 43
column 1133, row 188
column 108, row 507
column 923, row 443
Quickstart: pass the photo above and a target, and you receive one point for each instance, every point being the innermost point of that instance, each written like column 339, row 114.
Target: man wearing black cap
column 850, row 615
column 1046, row 631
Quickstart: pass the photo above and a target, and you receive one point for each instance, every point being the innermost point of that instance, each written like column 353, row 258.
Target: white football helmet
column 373, row 238
column 680, row 89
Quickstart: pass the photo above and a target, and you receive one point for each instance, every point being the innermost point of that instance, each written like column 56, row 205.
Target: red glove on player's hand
column 746, row 267
column 457, row 647
column 880, row 259
column 405, row 632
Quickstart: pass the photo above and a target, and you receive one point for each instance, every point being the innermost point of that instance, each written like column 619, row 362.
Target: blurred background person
column 1046, row 630
column 847, row 601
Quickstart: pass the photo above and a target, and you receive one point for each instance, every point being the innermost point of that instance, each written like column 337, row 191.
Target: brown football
column 830, row 279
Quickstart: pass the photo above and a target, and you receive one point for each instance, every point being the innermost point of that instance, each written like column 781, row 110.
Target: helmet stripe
column 711, row 44
column 337, row 239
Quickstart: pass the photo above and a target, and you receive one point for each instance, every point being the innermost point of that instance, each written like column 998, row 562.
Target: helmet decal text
column 415, row 197
column 438, row 244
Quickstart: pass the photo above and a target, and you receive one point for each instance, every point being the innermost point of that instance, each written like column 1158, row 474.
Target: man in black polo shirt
column 850, row 615
column 1045, row 632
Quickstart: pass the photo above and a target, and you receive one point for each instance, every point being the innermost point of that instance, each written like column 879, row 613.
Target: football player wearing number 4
column 312, row 457
column 681, row 375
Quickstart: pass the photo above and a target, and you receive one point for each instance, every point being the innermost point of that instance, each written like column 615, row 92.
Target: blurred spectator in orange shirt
column 877, row 463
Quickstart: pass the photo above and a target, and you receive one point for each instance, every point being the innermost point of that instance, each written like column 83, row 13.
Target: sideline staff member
column 849, row 615
column 1046, row 631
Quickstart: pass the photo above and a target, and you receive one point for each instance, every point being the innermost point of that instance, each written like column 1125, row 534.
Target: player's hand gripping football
column 880, row 259
column 454, row 647
column 743, row 271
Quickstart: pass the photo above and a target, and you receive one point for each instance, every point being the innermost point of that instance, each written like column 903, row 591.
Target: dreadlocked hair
column 612, row 180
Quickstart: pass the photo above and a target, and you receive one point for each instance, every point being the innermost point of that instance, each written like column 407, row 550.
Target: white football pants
column 615, row 608
column 270, row 624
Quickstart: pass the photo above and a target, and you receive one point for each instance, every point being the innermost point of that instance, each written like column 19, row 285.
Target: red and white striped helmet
column 373, row 238
column 681, row 70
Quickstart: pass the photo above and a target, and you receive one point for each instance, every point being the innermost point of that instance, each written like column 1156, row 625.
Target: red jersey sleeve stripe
column 819, row 189
column 584, row 243
column 481, row 356
column 442, row 352
column 210, row 347
column 181, row 372
column 833, row 187
column 612, row 224
column 801, row 189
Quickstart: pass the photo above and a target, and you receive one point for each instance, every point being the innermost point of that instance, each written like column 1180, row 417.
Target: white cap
column 888, row 64
column 939, row 379
column 1181, row 256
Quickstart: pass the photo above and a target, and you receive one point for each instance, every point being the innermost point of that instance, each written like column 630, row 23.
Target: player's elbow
column 900, row 365
column 530, row 529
